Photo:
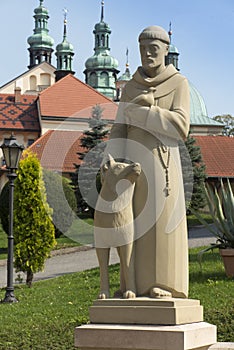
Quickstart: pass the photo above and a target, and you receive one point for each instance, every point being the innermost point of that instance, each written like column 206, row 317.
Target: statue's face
column 153, row 53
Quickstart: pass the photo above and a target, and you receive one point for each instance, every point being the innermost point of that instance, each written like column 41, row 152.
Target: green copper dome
column 197, row 104
column 41, row 38
column 198, row 111
column 65, row 46
column 101, row 60
column 64, row 53
column 102, row 26
column 40, row 43
column 41, row 10
column 173, row 49
column 101, row 68
column 126, row 76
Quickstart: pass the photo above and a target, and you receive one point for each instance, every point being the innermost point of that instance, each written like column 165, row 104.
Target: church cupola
column 173, row 53
column 123, row 79
column 40, row 43
column 101, row 69
column 64, row 53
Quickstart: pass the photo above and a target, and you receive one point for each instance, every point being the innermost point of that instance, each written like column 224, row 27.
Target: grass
column 215, row 290
column 192, row 220
column 47, row 313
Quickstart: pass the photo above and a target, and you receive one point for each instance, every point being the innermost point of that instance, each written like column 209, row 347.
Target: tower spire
column 64, row 53
column 40, row 43
column 127, row 63
column 101, row 69
column 170, row 32
column 65, row 11
column 173, row 53
column 102, row 11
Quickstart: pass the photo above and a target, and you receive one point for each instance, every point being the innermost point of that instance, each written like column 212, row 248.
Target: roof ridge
column 38, row 140
column 78, row 80
column 27, row 71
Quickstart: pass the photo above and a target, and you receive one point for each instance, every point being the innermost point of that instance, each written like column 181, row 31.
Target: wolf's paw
column 129, row 295
column 103, row 295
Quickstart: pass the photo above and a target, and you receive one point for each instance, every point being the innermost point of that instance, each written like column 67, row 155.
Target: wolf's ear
column 105, row 167
column 108, row 161
column 110, row 158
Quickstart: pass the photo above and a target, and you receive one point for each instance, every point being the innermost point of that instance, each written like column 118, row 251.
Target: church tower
column 101, row 69
column 40, row 43
column 173, row 53
column 123, row 79
column 64, row 53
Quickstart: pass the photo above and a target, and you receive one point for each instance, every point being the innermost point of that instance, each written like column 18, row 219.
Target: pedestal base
column 192, row 336
column 172, row 311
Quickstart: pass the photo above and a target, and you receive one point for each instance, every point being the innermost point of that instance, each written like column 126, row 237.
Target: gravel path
column 79, row 259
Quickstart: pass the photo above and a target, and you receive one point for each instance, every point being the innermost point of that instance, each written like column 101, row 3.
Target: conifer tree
column 195, row 196
column 61, row 198
column 85, row 185
column 33, row 228
column 228, row 123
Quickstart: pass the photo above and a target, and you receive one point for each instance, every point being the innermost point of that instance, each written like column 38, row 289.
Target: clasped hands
column 138, row 108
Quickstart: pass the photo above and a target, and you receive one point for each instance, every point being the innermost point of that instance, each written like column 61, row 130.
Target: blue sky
column 203, row 32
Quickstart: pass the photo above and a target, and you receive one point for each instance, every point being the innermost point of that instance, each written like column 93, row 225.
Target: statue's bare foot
column 159, row 293
column 129, row 295
column 103, row 295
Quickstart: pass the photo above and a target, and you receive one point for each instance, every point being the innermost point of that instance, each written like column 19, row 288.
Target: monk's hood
column 143, row 79
column 162, row 84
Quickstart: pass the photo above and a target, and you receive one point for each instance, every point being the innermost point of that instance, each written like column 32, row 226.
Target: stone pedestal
column 197, row 336
column 171, row 311
column 146, row 324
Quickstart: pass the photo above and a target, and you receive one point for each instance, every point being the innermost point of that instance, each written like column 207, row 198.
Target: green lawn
column 47, row 313
column 192, row 220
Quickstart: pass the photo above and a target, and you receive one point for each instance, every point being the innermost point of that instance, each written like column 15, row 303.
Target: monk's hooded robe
column 161, row 247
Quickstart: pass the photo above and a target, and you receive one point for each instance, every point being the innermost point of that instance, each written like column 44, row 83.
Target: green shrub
column 61, row 198
column 4, row 207
column 33, row 228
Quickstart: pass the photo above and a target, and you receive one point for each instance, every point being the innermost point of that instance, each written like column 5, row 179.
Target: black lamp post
column 11, row 152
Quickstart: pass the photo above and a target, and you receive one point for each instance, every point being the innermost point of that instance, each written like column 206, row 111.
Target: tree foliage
column 194, row 174
column 86, row 178
column 228, row 122
column 33, row 227
column 61, row 198
column 4, row 207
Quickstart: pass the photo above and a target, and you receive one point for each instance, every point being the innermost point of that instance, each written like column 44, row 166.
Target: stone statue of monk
column 153, row 116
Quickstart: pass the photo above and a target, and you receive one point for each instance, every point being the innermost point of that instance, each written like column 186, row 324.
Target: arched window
column 65, row 62
column 93, row 79
column 104, row 79
column 103, row 40
column 45, row 79
column 33, row 83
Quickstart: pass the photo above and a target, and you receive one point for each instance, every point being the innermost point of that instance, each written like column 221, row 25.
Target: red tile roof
column 218, row 155
column 70, row 97
column 57, row 150
column 22, row 115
